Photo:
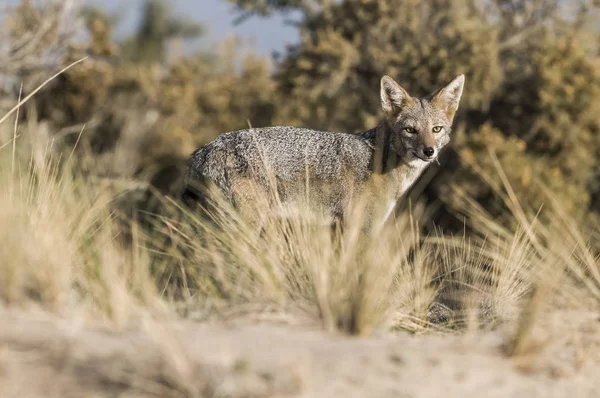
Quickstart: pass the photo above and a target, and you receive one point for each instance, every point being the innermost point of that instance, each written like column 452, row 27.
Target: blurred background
column 164, row 77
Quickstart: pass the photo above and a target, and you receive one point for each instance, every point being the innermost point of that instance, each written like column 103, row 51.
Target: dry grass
column 390, row 277
column 64, row 249
column 60, row 242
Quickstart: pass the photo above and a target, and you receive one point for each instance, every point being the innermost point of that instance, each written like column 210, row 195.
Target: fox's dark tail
column 197, row 201
column 190, row 196
column 194, row 194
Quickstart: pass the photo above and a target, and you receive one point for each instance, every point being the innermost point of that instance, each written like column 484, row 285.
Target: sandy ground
column 45, row 356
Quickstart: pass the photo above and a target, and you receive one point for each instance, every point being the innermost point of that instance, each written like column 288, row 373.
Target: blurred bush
column 532, row 89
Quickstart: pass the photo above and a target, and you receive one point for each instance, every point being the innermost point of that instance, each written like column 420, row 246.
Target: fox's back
column 288, row 153
column 285, row 160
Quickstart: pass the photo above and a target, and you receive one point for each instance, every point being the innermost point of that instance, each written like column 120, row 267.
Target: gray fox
column 328, row 169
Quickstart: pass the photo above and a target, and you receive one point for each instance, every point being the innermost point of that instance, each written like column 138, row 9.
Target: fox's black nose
column 428, row 151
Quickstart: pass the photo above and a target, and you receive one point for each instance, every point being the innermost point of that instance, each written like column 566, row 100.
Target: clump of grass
column 355, row 281
column 540, row 266
column 387, row 277
column 59, row 237
column 60, row 240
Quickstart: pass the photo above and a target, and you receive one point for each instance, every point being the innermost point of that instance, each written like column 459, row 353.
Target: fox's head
column 420, row 127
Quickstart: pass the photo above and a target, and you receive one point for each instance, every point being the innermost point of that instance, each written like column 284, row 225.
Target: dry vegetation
column 109, row 287
column 520, row 300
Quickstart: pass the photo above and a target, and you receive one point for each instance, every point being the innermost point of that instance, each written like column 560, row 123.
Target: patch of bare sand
column 45, row 356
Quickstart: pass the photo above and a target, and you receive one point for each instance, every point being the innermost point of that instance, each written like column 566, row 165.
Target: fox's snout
column 426, row 147
column 428, row 152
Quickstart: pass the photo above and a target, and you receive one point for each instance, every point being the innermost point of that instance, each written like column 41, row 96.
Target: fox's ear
column 448, row 97
column 393, row 96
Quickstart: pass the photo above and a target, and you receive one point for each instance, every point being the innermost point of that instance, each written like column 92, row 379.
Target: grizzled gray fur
column 330, row 170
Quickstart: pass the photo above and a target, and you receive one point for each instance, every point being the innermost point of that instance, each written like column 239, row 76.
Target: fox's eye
column 409, row 130
column 437, row 129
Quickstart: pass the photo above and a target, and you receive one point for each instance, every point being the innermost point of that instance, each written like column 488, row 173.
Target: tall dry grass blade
column 37, row 89
column 513, row 202
column 14, row 139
